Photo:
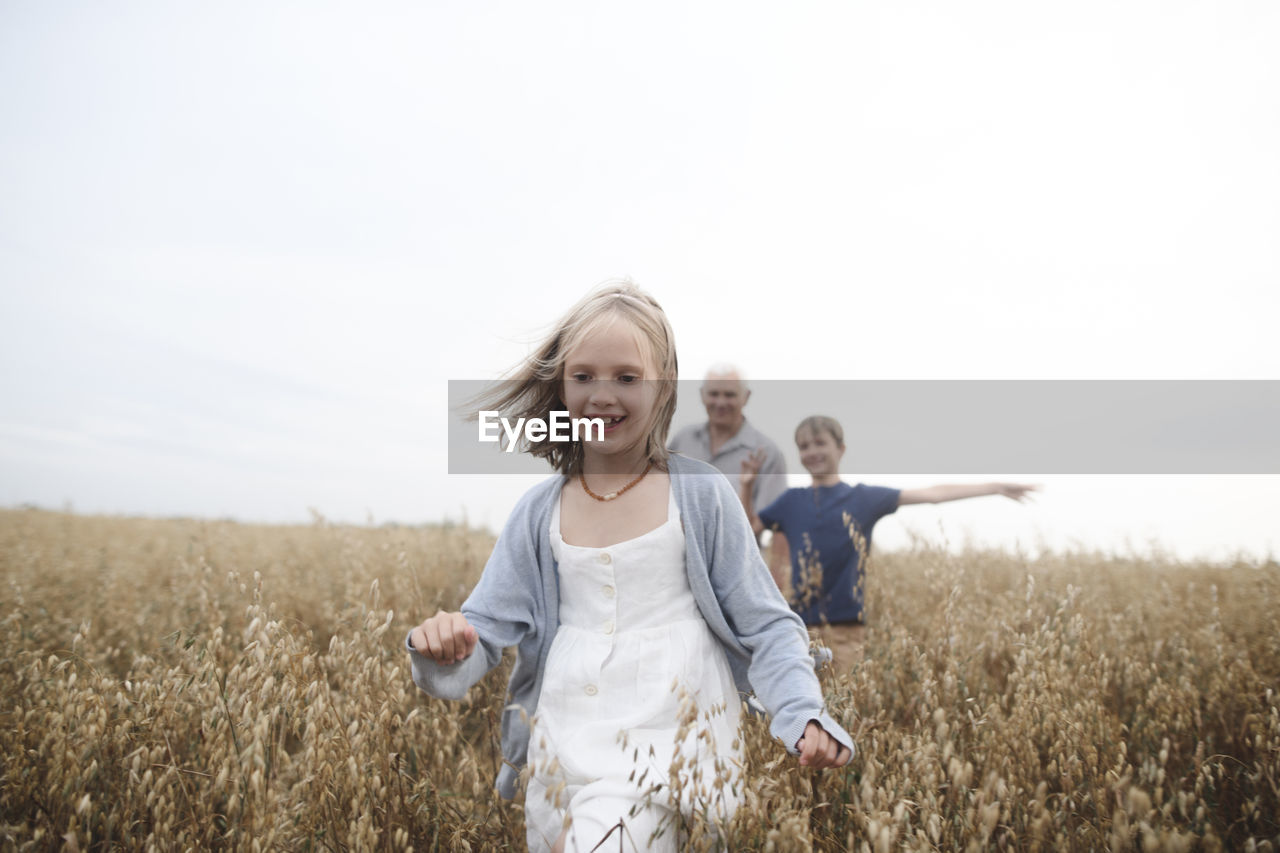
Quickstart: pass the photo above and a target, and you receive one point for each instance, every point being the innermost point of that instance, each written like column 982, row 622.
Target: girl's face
column 819, row 452
column 607, row 376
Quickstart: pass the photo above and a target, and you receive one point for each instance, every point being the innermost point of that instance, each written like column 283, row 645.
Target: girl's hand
column 820, row 750
column 751, row 467
column 445, row 638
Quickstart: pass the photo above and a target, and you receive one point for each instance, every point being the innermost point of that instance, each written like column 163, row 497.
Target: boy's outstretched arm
column 959, row 491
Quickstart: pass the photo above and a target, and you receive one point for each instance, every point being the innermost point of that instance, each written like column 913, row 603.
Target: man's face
column 724, row 398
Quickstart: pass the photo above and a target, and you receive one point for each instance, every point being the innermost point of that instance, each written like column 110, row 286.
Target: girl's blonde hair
column 534, row 388
column 822, row 423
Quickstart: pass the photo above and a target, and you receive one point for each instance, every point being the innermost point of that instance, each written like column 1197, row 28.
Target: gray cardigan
column 516, row 603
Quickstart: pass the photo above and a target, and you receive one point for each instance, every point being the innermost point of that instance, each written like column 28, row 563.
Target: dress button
column 607, row 590
column 605, row 559
column 591, row 690
column 608, row 626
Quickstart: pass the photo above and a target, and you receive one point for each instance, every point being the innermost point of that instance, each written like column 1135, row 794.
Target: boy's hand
column 820, row 750
column 750, row 467
column 1019, row 492
column 445, row 638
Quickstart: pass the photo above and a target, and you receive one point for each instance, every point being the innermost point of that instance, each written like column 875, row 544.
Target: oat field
column 183, row 685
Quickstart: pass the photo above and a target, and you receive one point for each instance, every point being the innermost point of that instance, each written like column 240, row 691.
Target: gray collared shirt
column 695, row 442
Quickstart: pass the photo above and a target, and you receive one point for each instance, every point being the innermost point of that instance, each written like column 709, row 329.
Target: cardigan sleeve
column 451, row 681
column 502, row 608
column 781, row 669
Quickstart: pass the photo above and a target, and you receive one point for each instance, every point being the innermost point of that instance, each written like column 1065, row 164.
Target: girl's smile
column 611, row 422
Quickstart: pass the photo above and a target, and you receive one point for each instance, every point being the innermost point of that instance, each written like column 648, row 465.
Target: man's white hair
column 724, row 368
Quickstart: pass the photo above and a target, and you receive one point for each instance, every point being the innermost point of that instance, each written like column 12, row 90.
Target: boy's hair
column 822, row 423
column 533, row 389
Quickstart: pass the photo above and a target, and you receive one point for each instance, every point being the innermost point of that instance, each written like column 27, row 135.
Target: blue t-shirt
column 826, row 563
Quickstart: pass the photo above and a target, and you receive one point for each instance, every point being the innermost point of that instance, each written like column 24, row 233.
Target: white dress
column 632, row 660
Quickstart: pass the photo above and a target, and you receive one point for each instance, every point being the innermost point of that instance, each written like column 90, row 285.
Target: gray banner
column 956, row 427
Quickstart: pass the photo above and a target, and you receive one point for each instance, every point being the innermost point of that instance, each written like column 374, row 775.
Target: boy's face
column 607, row 376
column 819, row 452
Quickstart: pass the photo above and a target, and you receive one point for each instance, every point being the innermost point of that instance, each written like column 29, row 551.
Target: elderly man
column 727, row 439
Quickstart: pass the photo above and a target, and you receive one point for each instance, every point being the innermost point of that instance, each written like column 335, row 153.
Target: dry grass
column 183, row 685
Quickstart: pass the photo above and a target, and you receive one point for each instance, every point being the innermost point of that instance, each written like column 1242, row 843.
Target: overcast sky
column 243, row 246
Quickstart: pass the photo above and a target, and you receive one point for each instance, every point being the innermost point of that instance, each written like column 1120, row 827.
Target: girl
column 828, row 527
column 628, row 583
